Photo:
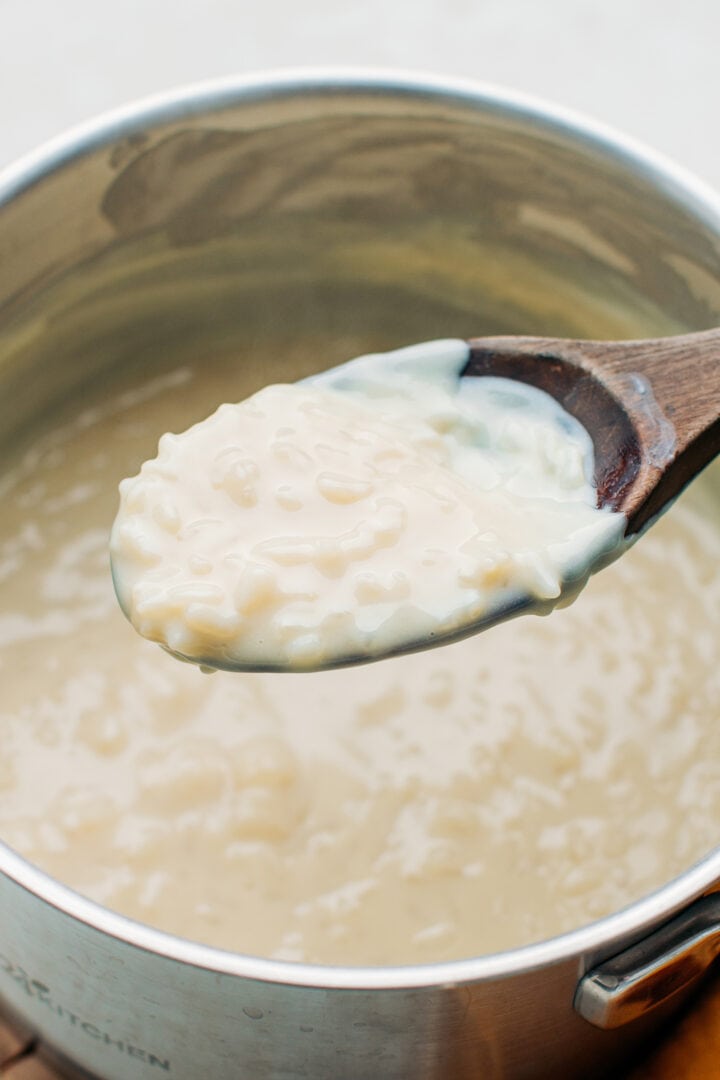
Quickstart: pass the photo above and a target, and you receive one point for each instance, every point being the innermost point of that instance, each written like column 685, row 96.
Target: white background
column 649, row 67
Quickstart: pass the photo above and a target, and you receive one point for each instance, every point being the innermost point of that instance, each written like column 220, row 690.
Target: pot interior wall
column 294, row 233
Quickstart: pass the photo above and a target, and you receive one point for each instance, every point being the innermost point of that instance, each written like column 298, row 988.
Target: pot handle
column 666, row 962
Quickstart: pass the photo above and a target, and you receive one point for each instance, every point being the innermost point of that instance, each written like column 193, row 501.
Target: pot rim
column 678, row 184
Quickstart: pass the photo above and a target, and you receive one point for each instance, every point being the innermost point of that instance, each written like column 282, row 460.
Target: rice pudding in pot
column 481, row 796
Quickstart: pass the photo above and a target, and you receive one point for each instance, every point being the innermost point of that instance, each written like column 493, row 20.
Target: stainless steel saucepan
column 374, row 210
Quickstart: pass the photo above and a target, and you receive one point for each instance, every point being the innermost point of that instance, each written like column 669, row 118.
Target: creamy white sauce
column 445, row 804
column 382, row 505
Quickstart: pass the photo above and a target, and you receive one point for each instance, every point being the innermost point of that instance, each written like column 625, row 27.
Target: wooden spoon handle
column 652, row 407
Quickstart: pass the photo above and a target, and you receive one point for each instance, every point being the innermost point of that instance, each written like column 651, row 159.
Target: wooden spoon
column 652, row 410
column 651, row 407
